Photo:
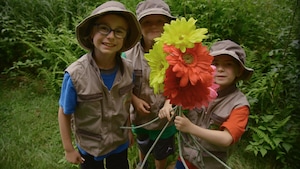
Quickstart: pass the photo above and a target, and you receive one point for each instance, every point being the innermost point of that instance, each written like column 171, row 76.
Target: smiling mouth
column 108, row 44
column 220, row 76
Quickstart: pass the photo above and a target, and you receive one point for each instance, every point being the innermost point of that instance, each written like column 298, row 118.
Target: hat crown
column 229, row 46
column 151, row 7
column 106, row 5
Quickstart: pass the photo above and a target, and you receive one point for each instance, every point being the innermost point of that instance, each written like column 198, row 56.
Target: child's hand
column 74, row 157
column 140, row 105
column 166, row 111
column 183, row 124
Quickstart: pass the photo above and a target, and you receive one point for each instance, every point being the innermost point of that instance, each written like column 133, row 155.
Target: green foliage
column 51, row 56
column 273, row 93
column 245, row 159
column 267, row 138
column 248, row 22
column 57, row 50
column 25, row 21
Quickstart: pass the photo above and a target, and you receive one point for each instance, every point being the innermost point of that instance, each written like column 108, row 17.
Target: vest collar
column 92, row 61
column 227, row 91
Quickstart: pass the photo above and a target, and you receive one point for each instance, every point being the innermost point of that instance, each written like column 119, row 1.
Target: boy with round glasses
column 97, row 90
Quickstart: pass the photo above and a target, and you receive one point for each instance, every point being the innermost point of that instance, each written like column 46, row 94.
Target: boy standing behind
column 152, row 15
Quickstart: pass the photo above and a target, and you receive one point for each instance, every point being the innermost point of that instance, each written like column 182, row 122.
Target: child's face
column 109, row 32
column 227, row 70
column 152, row 26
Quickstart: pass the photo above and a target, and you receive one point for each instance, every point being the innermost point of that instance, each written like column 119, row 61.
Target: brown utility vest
column 217, row 112
column 100, row 112
column 143, row 90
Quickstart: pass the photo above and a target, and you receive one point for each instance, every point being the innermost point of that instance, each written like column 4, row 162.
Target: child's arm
column 71, row 154
column 216, row 137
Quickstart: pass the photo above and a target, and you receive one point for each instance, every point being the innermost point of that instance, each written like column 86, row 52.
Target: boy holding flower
column 221, row 124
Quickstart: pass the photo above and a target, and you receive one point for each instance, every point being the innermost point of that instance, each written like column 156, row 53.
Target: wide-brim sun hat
column 228, row 47
column 153, row 7
column 83, row 29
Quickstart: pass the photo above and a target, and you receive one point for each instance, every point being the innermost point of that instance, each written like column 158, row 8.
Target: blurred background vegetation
column 37, row 42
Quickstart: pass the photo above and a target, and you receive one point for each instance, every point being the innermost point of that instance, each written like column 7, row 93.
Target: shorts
column 162, row 149
column 113, row 161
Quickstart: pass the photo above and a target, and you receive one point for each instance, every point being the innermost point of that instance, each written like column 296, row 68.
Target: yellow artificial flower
column 157, row 61
column 182, row 34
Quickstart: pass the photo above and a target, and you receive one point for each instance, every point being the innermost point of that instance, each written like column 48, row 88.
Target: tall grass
column 29, row 129
column 29, row 133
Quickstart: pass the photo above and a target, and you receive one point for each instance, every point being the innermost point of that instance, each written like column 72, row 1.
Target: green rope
column 145, row 124
column 209, row 153
column 140, row 126
column 180, row 150
column 200, row 152
column 179, row 143
column 156, row 140
column 199, row 147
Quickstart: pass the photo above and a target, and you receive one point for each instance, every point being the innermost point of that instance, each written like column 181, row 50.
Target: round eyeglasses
column 105, row 30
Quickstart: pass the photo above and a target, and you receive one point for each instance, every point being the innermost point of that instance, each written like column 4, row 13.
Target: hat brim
column 247, row 73
column 133, row 36
column 155, row 11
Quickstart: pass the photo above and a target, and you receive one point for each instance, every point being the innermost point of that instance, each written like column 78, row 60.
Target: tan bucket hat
column 83, row 29
column 152, row 7
column 228, row 47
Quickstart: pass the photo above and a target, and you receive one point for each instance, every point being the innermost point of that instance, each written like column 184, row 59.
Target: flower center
column 188, row 58
column 181, row 37
column 161, row 66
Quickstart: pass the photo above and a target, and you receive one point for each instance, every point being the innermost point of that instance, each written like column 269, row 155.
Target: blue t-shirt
column 68, row 101
column 68, row 96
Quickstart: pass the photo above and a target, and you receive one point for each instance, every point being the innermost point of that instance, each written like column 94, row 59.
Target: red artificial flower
column 191, row 66
column 189, row 96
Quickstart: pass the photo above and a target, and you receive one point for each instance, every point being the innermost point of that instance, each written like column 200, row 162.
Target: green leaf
column 263, row 151
column 277, row 141
column 267, row 118
column 262, row 127
column 287, row 146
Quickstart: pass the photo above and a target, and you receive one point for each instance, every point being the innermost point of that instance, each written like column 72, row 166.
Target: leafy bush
column 274, row 123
